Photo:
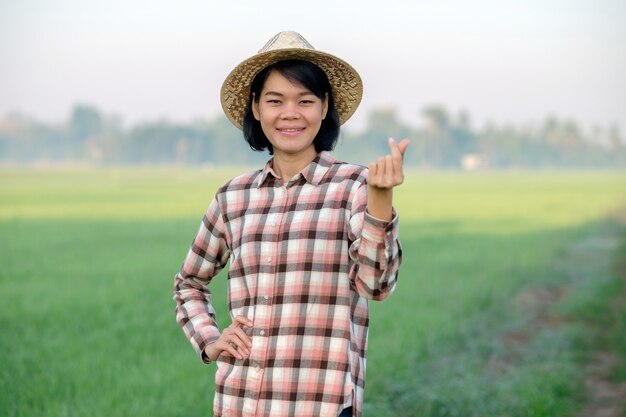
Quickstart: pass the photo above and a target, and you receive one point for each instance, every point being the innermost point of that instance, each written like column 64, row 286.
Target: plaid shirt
column 305, row 258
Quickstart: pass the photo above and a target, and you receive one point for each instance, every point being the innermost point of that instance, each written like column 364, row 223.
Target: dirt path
column 605, row 396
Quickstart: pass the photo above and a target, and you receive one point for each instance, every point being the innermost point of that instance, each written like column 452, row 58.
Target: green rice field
column 511, row 283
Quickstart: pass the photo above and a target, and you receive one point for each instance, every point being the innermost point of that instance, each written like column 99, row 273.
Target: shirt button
column 269, row 259
column 265, row 297
column 262, row 332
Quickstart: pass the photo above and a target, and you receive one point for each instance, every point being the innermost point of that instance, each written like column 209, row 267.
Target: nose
column 290, row 112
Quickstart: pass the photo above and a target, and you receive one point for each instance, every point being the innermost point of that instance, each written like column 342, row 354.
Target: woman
column 310, row 240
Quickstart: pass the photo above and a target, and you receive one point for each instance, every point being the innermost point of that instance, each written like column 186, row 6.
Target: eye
column 273, row 101
column 307, row 101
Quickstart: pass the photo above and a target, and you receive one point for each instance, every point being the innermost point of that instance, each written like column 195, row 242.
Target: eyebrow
column 276, row 93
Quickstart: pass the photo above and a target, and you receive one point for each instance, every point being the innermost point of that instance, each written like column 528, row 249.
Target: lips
column 290, row 131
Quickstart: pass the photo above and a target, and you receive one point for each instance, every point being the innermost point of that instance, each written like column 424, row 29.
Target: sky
column 500, row 61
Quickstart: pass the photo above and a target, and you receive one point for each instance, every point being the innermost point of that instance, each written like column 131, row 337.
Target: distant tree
column 438, row 140
column 615, row 139
column 85, row 121
column 463, row 139
column 616, row 145
column 85, row 124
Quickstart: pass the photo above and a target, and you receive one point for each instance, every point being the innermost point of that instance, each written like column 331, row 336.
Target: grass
column 502, row 275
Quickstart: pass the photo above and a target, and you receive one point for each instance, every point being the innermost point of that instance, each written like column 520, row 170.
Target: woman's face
column 290, row 116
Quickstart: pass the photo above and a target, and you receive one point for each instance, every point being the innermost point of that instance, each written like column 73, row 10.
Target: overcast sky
column 504, row 61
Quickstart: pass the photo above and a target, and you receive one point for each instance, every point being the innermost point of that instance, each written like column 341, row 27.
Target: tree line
column 441, row 140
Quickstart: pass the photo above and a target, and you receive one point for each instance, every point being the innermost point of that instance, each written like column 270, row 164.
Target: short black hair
column 311, row 77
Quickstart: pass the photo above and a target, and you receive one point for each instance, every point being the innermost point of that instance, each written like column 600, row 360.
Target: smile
column 291, row 131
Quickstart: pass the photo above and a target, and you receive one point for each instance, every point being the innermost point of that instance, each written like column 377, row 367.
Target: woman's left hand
column 387, row 171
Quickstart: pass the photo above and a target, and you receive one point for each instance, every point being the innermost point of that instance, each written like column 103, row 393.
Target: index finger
column 404, row 143
column 243, row 321
column 395, row 151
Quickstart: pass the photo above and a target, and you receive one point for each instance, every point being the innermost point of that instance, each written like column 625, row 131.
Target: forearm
column 377, row 255
column 195, row 314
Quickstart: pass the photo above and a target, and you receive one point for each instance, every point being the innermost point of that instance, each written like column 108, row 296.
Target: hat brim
column 344, row 80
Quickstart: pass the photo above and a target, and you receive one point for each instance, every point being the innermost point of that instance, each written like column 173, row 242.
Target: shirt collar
column 313, row 173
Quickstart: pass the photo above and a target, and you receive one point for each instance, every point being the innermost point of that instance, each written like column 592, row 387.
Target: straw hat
column 344, row 80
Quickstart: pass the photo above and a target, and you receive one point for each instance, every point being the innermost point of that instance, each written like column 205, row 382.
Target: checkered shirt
column 305, row 258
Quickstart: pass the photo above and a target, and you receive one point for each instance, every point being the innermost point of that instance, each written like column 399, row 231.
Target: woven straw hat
column 344, row 80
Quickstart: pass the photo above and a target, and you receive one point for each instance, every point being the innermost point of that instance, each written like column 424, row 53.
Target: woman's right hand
column 233, row 341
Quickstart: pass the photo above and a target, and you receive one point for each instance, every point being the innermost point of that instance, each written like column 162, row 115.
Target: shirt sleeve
column 375, row 250
column 208, row 254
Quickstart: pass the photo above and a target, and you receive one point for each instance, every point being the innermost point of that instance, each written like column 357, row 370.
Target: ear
column 324, row 106
column 255, row 108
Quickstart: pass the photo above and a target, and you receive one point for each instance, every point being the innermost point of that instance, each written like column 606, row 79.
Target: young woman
column 310, row 241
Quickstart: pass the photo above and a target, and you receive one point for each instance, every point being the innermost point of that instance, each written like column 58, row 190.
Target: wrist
column 379, row 192
column 211, row 352
column 379, row 202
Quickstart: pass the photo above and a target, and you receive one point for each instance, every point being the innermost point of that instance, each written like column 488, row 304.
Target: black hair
column 311, row 77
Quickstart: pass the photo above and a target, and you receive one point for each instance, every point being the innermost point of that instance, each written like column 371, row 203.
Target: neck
column 288, row 165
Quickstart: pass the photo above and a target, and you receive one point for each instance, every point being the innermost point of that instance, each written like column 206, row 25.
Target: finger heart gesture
column 387, row 171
